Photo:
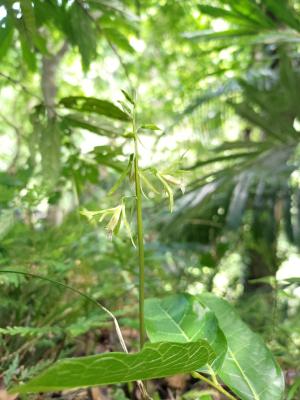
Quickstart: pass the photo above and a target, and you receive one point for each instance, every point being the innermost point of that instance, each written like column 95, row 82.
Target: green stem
column 213, row 375
column 215, row 385
column 139, row 218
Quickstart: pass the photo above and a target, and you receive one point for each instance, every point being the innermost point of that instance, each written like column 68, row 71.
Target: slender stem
column 217, row 386
column 139, row 218
column 213, row 375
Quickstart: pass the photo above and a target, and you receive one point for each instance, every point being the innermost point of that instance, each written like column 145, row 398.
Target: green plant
column 200, row 335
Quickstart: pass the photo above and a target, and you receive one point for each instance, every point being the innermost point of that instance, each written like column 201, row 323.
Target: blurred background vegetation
column 222, row 81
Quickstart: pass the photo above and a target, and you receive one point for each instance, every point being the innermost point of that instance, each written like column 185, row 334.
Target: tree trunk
column 50, row 137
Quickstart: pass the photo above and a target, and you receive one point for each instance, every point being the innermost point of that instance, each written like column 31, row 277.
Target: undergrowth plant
column 201, row 334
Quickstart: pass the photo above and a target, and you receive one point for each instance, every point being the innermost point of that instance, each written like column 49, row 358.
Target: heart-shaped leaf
column 182, row 318
column 249, row 369
column 154, row 361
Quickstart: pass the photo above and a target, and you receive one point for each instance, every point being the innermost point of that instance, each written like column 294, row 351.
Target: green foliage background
column 221, row 79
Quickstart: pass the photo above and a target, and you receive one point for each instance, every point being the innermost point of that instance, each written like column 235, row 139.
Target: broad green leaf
column 27, row 53
column 249, row 369
column 83, row 33
column 51, row 12
column 106, row 155
column 154, row 361
column 6, row 37
column 28, row 15
column 181, row 318
column 118, row 39
column 32, row 33
column 76, row 121
column 93, row 105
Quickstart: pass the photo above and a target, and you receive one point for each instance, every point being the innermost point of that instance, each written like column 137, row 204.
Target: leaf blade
column 154, row 361
column 94, row 105
column 249, row 368
column 181, row 318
